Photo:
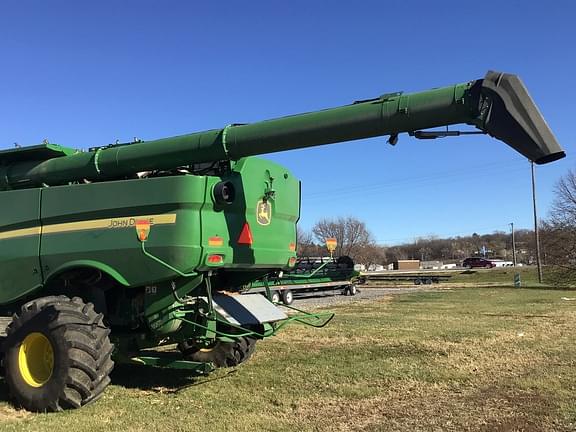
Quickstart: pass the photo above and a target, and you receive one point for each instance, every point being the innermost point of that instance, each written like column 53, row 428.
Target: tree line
column 355, row 240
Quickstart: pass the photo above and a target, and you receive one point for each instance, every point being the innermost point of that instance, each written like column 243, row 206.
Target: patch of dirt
column 417, row 407
column 516, row 410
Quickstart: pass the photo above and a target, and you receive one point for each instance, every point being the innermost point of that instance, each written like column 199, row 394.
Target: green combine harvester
column 109, row 253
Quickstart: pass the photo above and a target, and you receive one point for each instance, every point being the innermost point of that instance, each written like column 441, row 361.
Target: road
column 320, row 299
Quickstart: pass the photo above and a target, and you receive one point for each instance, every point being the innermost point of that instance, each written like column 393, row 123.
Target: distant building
column 370, row 268
column 431, row 265
column 407, row 265
column 501, row 263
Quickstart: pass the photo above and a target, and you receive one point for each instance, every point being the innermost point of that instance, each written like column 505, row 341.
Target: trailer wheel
column 222, row 354
column 417, row 281
column 275, row 297
column 58, row 354
column 287, row 297
column 351, row 290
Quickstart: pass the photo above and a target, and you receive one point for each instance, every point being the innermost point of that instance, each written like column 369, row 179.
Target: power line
column 443, row 176
column 360, row 191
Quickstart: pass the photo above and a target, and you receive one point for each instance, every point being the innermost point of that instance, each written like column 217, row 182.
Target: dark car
column 477, row 262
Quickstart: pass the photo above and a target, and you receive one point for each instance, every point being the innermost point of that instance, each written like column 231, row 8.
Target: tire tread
column 88, row 346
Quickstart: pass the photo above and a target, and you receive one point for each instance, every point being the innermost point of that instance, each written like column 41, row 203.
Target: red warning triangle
column 246, row 235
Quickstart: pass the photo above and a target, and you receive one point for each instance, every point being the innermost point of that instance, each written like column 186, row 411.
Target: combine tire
column 58, row 355
column 221, row 354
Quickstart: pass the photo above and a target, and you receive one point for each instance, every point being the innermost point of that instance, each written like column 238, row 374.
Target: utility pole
column 513, row 245
column 536, row 233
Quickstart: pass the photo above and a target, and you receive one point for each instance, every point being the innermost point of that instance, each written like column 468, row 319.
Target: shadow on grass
column 147, row 378
column 532, row 286
column 4, row 394
column 318, row 294
column 159, row 379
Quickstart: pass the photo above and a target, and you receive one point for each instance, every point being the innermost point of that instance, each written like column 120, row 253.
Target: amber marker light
column 215, row 241
column 142, row 229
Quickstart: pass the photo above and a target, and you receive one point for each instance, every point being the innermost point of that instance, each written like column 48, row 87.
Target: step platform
column 4, row 322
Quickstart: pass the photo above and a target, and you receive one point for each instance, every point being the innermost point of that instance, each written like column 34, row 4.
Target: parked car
column 477, row 262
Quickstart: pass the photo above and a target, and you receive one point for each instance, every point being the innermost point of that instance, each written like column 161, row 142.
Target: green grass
column 478, row 359
column 499, row 277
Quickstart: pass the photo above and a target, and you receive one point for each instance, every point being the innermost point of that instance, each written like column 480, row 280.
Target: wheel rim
column 36, row 359
column 209, row 348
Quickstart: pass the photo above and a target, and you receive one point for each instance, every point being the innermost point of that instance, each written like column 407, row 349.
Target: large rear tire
column 221, row 354
column 58, row 354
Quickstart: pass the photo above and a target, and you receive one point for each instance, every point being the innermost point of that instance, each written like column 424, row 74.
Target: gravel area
column 328, row 298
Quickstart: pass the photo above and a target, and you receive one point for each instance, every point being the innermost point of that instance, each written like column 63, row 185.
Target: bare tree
column 305, row 243
column 351, row 234
column 559, row 231
column 371, row 255
column 564, row 206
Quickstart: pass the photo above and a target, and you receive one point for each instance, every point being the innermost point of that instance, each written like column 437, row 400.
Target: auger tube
column 498, row 105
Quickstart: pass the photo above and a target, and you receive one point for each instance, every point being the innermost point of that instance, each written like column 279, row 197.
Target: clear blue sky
column 87, row 73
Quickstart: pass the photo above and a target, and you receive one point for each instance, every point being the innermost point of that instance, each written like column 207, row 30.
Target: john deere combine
column 108, row 252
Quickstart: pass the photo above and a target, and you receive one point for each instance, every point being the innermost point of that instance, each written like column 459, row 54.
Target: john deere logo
column 263, row 212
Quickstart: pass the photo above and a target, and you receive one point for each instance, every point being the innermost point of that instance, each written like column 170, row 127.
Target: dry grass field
column 459, row 359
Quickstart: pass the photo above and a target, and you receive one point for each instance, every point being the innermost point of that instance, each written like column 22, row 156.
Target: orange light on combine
column 142, row 229
column 215, row 259
column 246, row 235
column 215, row 241
column 292, row 246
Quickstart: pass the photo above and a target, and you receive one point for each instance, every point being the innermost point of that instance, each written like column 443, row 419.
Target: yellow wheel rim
column 36, row 359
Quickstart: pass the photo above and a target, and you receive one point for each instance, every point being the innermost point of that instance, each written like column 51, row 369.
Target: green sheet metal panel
column 271, row 239
column 20, row 270
column 94, row 224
